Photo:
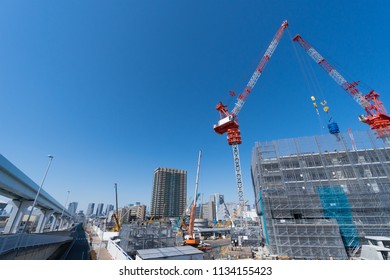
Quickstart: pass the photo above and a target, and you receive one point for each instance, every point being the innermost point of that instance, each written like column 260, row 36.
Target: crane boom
column 229, row 120
column 259, row 69
column 377, row 117
column 333, row 73
column 193, row 207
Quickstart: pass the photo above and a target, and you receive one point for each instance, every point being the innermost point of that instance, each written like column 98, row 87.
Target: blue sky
column 115, row 89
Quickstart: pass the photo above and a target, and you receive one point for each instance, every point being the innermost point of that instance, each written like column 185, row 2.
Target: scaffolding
column 318, row 197
column 137, row 236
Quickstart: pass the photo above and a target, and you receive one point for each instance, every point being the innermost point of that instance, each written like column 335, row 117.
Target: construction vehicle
column 117, row 227
column 191, row 238
column 228, row 122
column 184, row 220
column 376, row 116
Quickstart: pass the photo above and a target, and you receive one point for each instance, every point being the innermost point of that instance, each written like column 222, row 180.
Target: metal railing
column 12, row 242
column 117, row 252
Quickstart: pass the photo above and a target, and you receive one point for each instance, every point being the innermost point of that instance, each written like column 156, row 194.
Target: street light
column 62, row 214
column 36, row 197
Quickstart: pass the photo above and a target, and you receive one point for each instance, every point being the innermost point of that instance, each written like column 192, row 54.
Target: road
column 80, row 248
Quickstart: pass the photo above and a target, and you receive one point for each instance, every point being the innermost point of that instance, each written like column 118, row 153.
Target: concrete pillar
column 55, row 221
column 65, row 222
column 61, row 224
column 19, row 209
column 43, row 219
column 69, row 221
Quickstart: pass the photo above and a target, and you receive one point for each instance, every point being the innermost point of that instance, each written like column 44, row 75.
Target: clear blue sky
column 115, row 89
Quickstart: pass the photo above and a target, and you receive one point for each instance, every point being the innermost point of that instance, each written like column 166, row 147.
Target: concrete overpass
column 17, row 186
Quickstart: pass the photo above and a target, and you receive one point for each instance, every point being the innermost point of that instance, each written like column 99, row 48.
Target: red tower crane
column 377, row 117
column 228, row 122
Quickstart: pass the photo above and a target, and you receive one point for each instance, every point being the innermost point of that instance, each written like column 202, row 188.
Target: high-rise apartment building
column 132, row 213
column 169, row 193
column 99, row 209
column 319, row 197
column 109, row 208
column 72, row 208
column 90, row 209
column 205, row 211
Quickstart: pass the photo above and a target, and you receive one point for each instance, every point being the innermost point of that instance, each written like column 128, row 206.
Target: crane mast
column 228, row 122
column 377, row 117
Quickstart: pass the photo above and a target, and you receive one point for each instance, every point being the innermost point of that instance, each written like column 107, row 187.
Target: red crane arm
column 228, row 121
column 350, row 88
column 259, row 69
column 377, row 117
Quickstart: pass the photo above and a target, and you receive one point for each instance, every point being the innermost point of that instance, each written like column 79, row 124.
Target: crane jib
column 377, row 117
column 259, row 69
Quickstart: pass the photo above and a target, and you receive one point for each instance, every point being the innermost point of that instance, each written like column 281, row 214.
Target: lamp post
column 62, row 213
column 36, row 197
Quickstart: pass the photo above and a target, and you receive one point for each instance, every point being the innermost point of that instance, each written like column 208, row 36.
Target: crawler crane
column 192, row 240
column 228, row 122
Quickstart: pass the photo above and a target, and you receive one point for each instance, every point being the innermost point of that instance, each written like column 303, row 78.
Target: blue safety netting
column 336, row 206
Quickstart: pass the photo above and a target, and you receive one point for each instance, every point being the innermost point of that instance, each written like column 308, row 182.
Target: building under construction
column 318, row 197
column 136, row 236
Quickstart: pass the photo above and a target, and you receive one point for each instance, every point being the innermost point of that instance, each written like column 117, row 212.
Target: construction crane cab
column 227, row 120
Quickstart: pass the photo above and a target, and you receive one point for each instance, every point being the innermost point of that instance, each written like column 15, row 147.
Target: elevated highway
column 56, row 245
column 18, row 187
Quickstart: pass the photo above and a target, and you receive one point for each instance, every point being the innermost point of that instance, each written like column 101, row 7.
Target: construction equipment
column 184, row 219
column 150, row 221
column 230, row 222
column 333, row 127
column 192, row 239
column 227, row 213
column 377, row 117
column 228, row 122
column 117, row 227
